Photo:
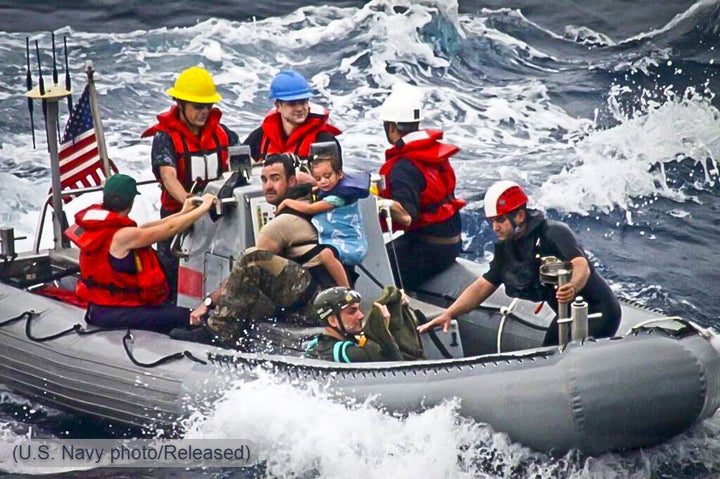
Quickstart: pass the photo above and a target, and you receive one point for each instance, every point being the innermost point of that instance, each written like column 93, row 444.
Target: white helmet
column 402, row 106
column 503, row 197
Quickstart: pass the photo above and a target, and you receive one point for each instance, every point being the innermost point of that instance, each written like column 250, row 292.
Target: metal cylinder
column 563, row 313
column 7, row 237
column 579, row 314
column 51, row 128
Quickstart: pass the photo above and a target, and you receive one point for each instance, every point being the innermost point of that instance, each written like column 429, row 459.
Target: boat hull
column 595, row 396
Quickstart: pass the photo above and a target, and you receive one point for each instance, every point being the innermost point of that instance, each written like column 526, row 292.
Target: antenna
column 28, row 83
column 67, row 75
column 41, row 84
column 54, row 70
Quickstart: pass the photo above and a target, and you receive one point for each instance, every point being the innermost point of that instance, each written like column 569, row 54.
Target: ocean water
column 606, row 112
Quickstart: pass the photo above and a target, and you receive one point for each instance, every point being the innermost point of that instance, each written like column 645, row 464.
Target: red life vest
column 432, row 158
column 99, row 283
column 209, row 151
column 273, row 139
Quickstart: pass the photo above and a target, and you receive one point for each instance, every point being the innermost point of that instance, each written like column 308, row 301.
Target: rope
column 76, row 327
column 29, row 313
column 166, row 359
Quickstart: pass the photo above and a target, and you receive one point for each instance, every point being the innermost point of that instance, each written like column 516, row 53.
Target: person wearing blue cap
column 121, row 277
column 294, row 123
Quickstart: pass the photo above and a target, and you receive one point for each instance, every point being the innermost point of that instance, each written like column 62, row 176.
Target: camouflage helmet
column 332, row 301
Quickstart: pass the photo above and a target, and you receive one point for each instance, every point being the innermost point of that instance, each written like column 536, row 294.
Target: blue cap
column 289, row 85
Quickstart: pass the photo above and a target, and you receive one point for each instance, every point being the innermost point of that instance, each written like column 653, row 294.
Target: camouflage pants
column 261, row 285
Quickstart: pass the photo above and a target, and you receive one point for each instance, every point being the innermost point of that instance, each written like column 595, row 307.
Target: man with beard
column 276, row 279
column 524, row 238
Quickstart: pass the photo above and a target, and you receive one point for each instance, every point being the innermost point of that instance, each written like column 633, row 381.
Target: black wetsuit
column 516, row 264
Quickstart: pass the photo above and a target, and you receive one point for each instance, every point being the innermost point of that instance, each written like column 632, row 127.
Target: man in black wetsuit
column 524, row 237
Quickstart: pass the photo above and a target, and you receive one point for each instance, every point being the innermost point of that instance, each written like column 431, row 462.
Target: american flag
column 80, row 162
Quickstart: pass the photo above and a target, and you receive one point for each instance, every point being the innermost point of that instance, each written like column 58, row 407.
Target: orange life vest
column 273, row 139
column 200, row 159
column 432, row 158
column 99, row 283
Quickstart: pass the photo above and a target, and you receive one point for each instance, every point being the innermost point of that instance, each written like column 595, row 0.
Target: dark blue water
column 606, row 111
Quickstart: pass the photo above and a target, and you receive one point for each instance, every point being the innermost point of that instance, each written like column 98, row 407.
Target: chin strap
column 516, row 227
column 341, row 329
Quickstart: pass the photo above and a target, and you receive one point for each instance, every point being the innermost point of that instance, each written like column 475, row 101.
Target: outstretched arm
column 473, row 295
column 187, row 206
column 130, row 238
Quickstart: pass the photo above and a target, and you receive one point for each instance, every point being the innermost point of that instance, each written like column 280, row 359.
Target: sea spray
column 614, row 167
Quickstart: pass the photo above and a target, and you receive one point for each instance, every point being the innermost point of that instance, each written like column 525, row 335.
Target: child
column 336, row 214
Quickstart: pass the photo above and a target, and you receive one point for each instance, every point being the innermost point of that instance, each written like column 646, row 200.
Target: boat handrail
column 505, row 311
column 70, row 192
column 704, row 332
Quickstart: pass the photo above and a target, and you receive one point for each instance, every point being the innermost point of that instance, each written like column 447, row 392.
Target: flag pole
column 97, row 123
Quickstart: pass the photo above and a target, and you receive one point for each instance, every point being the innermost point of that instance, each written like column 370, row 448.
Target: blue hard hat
column 289, row 85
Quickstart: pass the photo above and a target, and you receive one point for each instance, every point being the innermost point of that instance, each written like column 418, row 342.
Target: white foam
column 299, row 430
column 612, row 168
column 682, row 21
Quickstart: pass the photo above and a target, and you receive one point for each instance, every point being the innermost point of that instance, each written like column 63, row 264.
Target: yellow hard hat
column 195, row 85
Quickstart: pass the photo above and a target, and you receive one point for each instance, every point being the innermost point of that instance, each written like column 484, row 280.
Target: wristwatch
column 208, row 302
